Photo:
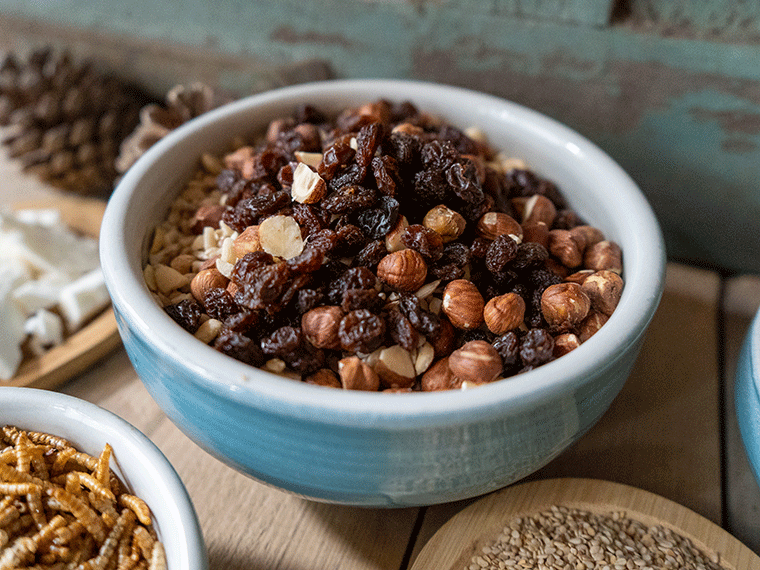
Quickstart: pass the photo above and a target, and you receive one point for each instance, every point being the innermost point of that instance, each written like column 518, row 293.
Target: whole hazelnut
column 504, row 313
column 564, row 306
column 357, row 375
column 463, row 304
column 445, row 221
column 439, row 377
column 604, row 288
column 320, row 326
column 404, row 270
column 476, row 361
column 539, row 208
column 566, row 247
column 589, row 234
column 493, row 224
column 591, row 325
column 579, row 276
column 604, row 255
column 246, row 242
column 323, row 377
column 206, row 280
column 443, row 344
column 537, row 232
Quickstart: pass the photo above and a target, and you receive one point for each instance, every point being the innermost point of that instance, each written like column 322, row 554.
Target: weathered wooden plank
column 710, row 18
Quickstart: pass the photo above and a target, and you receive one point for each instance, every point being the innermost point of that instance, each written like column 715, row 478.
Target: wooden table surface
column 671, row 431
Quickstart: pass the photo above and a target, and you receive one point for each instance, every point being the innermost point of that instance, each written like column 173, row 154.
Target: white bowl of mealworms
column 79, row 486
column 282, row 314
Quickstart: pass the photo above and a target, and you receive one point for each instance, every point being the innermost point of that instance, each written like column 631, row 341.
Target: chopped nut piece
column 395, row 367
column 308, row 186
column 281, row 236
column 357, row 375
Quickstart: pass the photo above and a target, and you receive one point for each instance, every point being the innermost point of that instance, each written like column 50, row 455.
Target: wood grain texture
column 479, row 524
column 91, row 343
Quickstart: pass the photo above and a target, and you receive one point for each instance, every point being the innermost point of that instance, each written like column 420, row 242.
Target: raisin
column 349, row 199
column 473, row 334
column 424, row 240
column 351, row 175
column 308, row 261
column 220, row 304
column 307, row 299
column 338, row 154
column 361, row 331
column 452, row 262
column 360, row 299
column 406, row 150
column 500, row 253
column 536, row 347
column 403, row 111
column 378, row 221
column 438, row 155
column 371, row 254
column 351, row 240
column 385, row 171
column 282, row 342
column 324, row 240
column 243, row 321
column 463, row 180
column 249, row 211
column 354, row 278
column 309, row 218
column 187, row 313
column 367, row 141
column 529, row 254
column 265, row 289
column 246, row 266
column 306, row 113
column 479, row 248
column 240, row 347
column 425, row 322
column 431, row 186
column 507, row 345
column 401, row 330
column 461, row 142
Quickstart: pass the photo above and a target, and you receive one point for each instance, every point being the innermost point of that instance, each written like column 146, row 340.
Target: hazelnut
column 476, row 361
column 565, row 247
column 445, row 221
column 395, row 367
column 439, row 377
column 408, row 129
column 604, row 255
column 504, row 313
column 604, row 288
column 564, row 306
column 246, row 242
column 308, row 186
column 404, row 270
column 443, row 344
column 564, row 343
column 323, row 377
column 206, row 280
column 539, row 208
column 320, row 326
column 463, row 304
column 357, row 375
column 310, row 137
column 312, row 159
column 280, row 236
column 236, row 159
column 278, row 127
column 537, row 232
column 591, row 324
column 393, row 238
column 590, row 234
column 579, row 276
column 493, row 224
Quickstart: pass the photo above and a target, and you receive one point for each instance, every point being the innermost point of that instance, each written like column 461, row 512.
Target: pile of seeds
column 382, row 249
column 572, row 539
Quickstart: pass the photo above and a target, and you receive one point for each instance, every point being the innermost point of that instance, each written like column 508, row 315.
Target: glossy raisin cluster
column 385, row 167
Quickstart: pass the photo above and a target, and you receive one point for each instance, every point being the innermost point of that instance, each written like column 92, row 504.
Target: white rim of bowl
column 113, row 428
column 258, row 388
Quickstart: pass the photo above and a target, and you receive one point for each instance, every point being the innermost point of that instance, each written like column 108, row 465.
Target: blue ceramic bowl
column 138, row 463
column 747, row 394
column 377, row 449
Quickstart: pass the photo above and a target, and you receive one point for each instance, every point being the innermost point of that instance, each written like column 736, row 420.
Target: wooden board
column 92, row 342
column 466, row 533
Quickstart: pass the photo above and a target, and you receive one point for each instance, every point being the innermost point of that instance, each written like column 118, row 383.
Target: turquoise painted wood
column 670, row 89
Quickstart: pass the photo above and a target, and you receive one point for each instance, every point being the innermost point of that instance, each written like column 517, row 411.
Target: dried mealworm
column 139, row 507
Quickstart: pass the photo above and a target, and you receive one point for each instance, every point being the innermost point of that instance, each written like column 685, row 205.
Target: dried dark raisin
column 378, row 221
column 500, row 253
column 220, row 304
column 424, row 240
column 282, row 342
column 371, row 254
column 463, row 180
column 507, row 345
column 187, row 314
column 401, row 330
column 387, row 178
column 351, row 240
column 248, row 265
column 338, row 154
column 240, row 347
column 349, row 199
column 361, row 331
column 536, row 347
column 367, row 141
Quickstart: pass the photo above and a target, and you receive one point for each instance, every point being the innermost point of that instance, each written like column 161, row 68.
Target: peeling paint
column 745, row 122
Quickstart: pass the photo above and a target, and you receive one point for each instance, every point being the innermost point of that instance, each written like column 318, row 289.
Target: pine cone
column 68, row 121
column 183, row 102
